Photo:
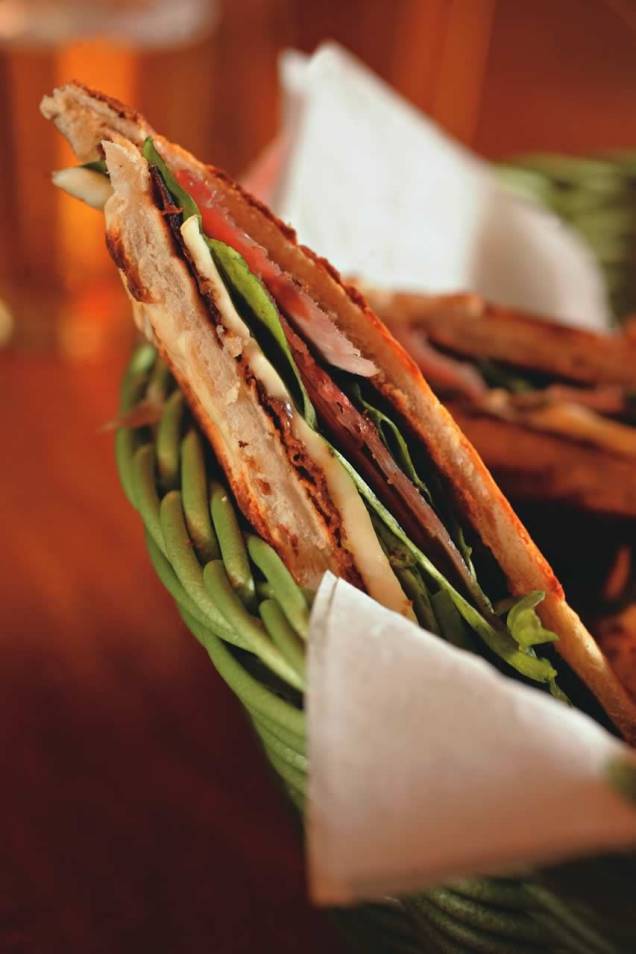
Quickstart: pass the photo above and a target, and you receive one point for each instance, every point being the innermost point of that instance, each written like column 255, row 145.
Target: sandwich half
column 336, row 449
column 551, row 409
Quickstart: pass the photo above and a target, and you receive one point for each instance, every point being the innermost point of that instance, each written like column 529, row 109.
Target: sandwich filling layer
column 397, row 521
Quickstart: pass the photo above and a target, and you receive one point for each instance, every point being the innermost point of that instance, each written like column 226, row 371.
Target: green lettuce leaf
column 236, row 273
column 393, row 440
column 557, row 692
column 182, row 198
column 464, row 548
column 408, row 573
column 97, row 165
column 451, row 623
column 524, row 624
column 396, row 443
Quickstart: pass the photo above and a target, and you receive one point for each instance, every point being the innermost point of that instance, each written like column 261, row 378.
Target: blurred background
column 136, row 812
column 505, row 80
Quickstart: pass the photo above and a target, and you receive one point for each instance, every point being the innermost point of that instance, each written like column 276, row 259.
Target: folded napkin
column 381, row 191
column 427, row 764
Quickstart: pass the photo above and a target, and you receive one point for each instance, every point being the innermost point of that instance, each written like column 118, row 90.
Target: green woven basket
column 238, row 599
column 597, row 197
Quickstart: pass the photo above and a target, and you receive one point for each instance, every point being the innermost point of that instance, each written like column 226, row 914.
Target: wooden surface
column 137, row 811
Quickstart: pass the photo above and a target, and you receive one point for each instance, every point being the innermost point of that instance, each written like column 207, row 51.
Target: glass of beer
column 58, row 288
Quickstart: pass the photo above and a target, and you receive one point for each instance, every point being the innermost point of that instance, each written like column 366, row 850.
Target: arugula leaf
column 450, row 621
column 408, row 573
column 464, row 548
column 393, row 440
column 236, row 273
column 498, row 641
column 182, row 198
column 396, row 443
column 524, row 624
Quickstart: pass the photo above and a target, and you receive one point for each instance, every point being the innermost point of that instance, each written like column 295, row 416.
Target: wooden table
column 138, row 813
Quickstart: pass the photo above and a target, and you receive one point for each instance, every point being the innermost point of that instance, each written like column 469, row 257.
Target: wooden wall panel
column 561, row 75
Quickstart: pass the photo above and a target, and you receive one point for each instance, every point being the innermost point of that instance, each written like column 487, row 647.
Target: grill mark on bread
column 310, row 475
column 173, row 217
column 129, row 269
column 124, row 112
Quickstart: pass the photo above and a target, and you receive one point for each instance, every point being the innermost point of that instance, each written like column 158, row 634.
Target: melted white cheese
column 361, row 539
column 204, row 264
column 232, row 321
column 90, row 186
column 371, row 560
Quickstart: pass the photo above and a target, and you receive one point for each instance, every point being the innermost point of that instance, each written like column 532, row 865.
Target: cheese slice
column 375, row 569
column 361, row 539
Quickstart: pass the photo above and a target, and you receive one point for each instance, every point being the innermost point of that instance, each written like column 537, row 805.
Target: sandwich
column 336, row 450
column 550, row 408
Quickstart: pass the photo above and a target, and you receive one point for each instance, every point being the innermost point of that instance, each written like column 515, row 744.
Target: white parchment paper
column 387, row 196
column 426, row 764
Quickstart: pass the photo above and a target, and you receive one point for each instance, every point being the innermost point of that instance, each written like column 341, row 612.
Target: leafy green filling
column 500, row 641
column 253, row 295
column 524, row 624
column 182, row 198
column 438, row 605
column 397, row 444
column 393, row 440
column 498, row 375
column 96, row 165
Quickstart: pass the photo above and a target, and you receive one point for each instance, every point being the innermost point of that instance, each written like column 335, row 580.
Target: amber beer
column 58, row 288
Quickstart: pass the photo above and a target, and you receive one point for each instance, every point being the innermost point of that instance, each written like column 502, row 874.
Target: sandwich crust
column 474, row 328
column 86, row 120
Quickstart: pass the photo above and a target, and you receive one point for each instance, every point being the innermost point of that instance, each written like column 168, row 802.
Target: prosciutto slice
column 317, row 326
column 444, row 374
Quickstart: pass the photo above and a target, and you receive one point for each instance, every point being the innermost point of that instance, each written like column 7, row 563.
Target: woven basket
column 597, row 197
column 238, row 599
